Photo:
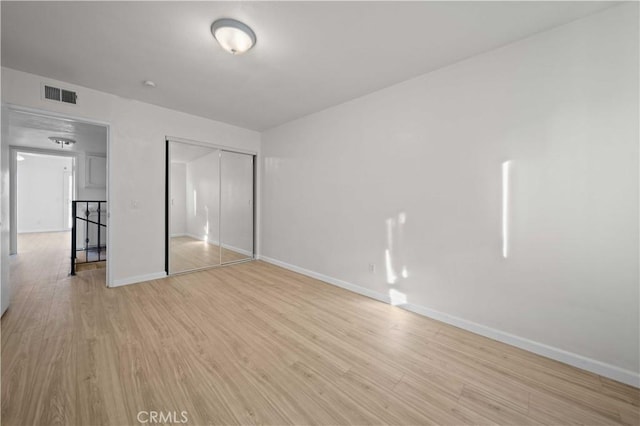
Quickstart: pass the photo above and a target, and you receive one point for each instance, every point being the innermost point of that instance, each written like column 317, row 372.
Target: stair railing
column 87, row 220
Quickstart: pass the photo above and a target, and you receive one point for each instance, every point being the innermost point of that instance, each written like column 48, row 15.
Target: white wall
column 41, row 196
column 416, row 169
column 137, row 151
column 203, row 197
column 178, row 225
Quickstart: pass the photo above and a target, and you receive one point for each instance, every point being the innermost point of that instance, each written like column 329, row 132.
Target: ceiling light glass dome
column 233, row 36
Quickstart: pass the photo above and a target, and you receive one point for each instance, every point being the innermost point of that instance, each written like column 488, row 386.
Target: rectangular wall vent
column 59, row 95
column 68, row 96
column 52, row 93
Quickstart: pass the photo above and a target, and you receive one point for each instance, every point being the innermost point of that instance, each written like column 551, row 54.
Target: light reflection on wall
column 206, row 225
column 195, row 202
column 506, row 169
column 396, row 297
column 391, row 275
column 394, row 257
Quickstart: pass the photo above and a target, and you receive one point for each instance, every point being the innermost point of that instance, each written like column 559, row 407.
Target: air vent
column 52, row 93
column 59, row 95
column 69, row 96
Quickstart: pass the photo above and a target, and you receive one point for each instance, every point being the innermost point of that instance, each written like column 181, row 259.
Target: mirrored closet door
column 236, row 213
column 210, row 207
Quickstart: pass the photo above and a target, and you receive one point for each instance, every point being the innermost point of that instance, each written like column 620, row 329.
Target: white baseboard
column 179, row 235
column 42, row 231
column 238, row 250
column 607, row 370
column 217, row 243
column 199, row 238
column 138, row 279
column 347, row 286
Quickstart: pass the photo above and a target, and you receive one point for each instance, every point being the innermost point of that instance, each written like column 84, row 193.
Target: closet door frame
column 167, row 201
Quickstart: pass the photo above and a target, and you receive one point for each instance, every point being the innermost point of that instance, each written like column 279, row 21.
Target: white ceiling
column 33, row 130
column 309, row 55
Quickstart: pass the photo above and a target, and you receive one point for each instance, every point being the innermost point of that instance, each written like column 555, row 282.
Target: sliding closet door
column 236, row 213
column 194, row 207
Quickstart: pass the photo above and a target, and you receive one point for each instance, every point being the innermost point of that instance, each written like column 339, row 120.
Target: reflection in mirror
column 236, row 192
column 194, row 207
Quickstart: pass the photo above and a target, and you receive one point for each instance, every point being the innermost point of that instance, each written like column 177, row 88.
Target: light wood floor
column 256, row 344
column 188, row 253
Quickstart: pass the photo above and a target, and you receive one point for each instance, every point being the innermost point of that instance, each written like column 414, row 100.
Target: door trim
column 210, row 145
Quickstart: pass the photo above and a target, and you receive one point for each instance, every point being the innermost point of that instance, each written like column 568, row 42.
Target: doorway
column 210, row 208
column 55, row 163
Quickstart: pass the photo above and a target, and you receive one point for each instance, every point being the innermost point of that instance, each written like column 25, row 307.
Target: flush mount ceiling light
column 61, row 141
column 233, row 36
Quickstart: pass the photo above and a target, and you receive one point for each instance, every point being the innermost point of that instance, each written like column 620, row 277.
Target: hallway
column 41, row 272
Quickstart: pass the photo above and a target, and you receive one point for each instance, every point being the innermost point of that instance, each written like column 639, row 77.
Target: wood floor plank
column 20, row 357
column 620, row 391
column 552, row 410
column 100, row 399
column 52, row 400
column 498, row 352
column 440, row 407
column 495, row 407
